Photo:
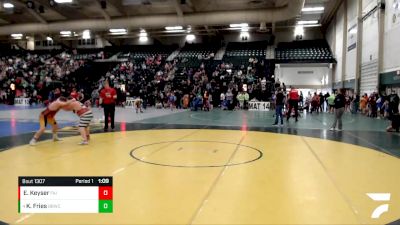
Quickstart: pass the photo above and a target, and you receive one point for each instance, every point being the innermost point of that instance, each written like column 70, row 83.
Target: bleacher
column 192, row 55
column 315, row 51
column 6, row 52
column 88, row 54
column 140, row 52
column 239, row 53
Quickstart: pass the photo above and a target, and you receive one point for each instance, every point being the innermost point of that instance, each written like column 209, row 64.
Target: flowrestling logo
column 379, row 197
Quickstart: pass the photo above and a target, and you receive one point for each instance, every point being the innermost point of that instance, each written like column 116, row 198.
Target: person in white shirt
column 263, row 84
column 222, row 99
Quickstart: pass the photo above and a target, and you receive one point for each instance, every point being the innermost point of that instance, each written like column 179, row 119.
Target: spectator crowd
column 165, row 84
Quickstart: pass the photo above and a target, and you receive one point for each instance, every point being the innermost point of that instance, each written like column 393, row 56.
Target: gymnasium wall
column 370, row 37
column 330, row 37
column 304, row 75
column 366, row 3
column 179, row 40
column 133, row 41
column 235, row 37
column 99, row 43
column 369, row 79
column 351, row 47
column 338, row 50
column 287, row 35
column 391, row 52
column 281, row 35
column 371, row 66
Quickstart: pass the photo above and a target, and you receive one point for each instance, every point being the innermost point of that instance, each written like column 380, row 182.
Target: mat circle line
column 260, row 154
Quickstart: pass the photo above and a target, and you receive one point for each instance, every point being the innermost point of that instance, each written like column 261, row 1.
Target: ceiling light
column 305, row 22
column 65, row 32
column 63, row 1
column 143, row 39
column 49, row 38
column 244, row 34
column 119, row 33
column 190, row 37
column 313, row 9
column 236, row 25
column 120, row 30
column 299, row 31
column 86, row 34
column 16, row 35
column 143, row 34
column 175, row 31
column 142, row 31
column 8, row 5
column 174, row 28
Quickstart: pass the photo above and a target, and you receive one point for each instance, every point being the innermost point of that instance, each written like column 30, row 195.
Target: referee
column 293, row 103
column 108, row 96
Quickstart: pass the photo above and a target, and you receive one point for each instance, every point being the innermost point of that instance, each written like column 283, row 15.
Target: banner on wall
column 21, row 101
column 259, row 106
column 130, row 102
column 352, row 36
column 394, row 9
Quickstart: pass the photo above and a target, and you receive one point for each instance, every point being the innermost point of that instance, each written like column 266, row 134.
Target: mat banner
column 259, row 106
column 130, row 102
column 21, row 101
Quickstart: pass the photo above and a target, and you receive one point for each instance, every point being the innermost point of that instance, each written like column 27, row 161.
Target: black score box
column 65, row 195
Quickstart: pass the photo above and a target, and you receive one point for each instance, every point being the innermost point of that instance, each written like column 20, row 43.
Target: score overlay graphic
column 65, row 195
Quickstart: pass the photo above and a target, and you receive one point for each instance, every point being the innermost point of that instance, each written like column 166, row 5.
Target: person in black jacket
column 340, row 102
column 279, row 103
column 394, row 115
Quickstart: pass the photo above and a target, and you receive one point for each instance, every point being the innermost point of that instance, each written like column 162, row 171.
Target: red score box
column 105, row 193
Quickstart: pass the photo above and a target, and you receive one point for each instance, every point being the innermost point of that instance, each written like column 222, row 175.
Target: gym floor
column 218, row 167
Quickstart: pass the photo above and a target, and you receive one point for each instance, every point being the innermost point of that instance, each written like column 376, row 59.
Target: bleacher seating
column 88, row 54
column 192, row 55
column 239, row 53
column 140, row 52
column 316, row 51
column 247, row 49
column 4, row 52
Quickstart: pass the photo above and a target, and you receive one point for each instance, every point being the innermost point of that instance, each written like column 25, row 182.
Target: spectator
column 394, row 116
column 331, row 102
column 321, row 102
column 206, row 103
column 363, row 104
column 279, row 103
column 340, row 102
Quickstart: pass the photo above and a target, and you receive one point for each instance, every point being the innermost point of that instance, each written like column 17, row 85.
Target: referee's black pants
column 109, row 111
column 293, row 104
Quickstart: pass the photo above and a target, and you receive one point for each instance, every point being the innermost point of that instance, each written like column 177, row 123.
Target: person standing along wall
column 393, row 111
column 279, row 103
column 340, row 103
column 331, row 103
column 108, row 96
